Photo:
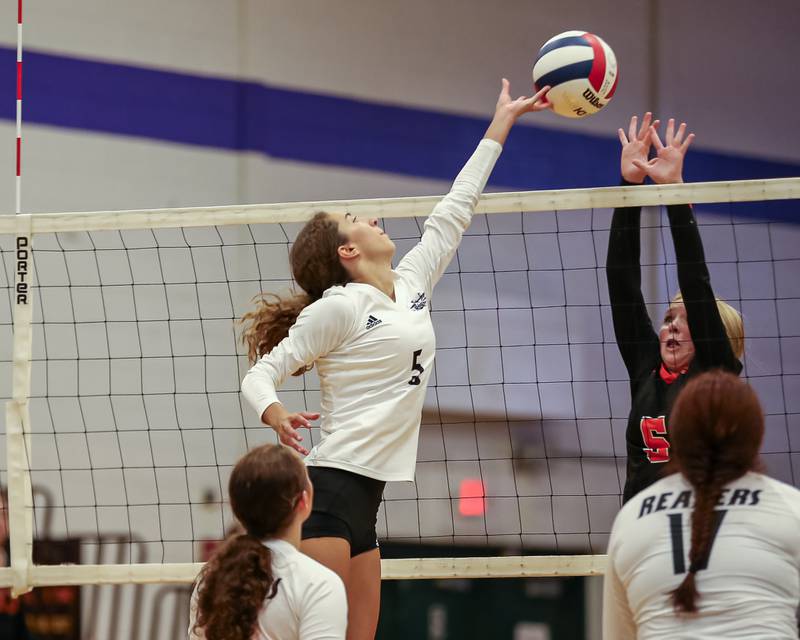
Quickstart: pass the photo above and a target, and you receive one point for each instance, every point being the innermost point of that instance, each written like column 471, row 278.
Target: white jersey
column 750, row 587
column 309, row 603
column 374, row 355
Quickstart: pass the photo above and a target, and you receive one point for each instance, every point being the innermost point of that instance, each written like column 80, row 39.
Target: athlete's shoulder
column 334, row 300
column 787, row 492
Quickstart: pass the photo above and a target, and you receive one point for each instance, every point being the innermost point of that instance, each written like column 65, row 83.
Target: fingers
column 623, row 139
column 539, row 101
column 310, row 415
column 505, row 87
column 296, row 446
column 299, row 419
column 655, row 139
column 679, row 135
column 685, row 146
column 670, row 136
column 541, row 93
column 643, row 131
column 645, row 166
column 291, row 438
column 632, row 128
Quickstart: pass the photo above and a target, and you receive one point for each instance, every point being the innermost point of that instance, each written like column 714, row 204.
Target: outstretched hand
column 635, row 147
column 515, row 108
column 667, row 166
column 508, row 110
column 286, row 425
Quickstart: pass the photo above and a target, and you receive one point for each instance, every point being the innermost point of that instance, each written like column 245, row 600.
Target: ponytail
column 264, row 488
column 232, row 588
column 716, row 429
column 315, row 263
column 270, row 322
column 684, row 598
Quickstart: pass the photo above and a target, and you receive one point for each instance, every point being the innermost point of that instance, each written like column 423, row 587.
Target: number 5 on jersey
column 417, row 367
column 656, row 446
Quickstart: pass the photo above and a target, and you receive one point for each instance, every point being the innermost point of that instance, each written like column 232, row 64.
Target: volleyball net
column 121, row 362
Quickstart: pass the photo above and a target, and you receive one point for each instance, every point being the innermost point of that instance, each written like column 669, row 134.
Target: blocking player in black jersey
column 698, row 332
column 712, row 550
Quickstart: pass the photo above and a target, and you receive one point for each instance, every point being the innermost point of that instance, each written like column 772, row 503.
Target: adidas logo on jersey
column 372, row 322
column 419, row 302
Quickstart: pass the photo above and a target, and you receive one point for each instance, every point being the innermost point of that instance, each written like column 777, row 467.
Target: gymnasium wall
column 148, row 105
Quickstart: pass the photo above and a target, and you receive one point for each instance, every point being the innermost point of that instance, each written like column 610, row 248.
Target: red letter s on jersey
column 655, row 445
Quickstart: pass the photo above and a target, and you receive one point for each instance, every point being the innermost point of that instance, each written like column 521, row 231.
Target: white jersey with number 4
column 374, row 355
column 750, row 587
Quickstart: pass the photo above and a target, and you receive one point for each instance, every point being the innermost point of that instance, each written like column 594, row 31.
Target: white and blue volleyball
column 582, row 71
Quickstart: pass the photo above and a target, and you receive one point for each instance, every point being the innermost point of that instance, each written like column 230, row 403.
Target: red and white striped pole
column 19, row 108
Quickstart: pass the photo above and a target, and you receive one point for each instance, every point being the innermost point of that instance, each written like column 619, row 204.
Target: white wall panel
column 188, row 35
column 79, row 171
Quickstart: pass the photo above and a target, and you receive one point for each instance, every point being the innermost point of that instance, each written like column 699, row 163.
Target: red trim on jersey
column 598, row 71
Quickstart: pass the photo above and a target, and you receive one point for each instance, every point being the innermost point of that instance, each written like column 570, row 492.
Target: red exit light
column 471, row 497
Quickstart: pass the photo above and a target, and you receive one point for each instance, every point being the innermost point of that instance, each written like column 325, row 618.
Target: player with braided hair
column 741, row 575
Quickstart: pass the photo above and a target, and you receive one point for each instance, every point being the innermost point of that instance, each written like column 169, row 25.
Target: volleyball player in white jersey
column 712, row 551
column 257, row 585
column 368, row 330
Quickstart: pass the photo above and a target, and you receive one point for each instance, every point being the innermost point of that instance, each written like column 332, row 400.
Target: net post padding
column 556, row 200
column 18, row 445
column 396, row 569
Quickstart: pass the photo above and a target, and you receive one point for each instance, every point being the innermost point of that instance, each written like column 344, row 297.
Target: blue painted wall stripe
column 296, row 125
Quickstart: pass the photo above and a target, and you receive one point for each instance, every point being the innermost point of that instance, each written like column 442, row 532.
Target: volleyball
column 582, row 71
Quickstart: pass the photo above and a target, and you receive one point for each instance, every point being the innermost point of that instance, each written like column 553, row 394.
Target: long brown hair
column 264, row 489
column 315, row 264
column 716, row 430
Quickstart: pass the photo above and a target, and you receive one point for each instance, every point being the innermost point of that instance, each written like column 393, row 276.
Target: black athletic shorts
column 345, row 506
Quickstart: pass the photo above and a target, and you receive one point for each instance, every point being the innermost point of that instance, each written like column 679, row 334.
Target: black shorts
column 345, row 506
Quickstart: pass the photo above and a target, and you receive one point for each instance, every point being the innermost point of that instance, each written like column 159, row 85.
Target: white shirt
column 309, row 603
column 751, row 586
column 374, row 355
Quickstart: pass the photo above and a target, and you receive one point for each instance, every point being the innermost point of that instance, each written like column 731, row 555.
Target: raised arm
column 444, row 227
column 636, row 339
column 712, row 346
column 320, row 328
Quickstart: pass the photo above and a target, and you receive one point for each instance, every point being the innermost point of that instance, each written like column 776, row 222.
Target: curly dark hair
column 716, row 430
column 315, row 264
column 264, row 489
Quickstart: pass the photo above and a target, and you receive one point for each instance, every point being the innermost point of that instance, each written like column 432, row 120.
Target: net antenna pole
column 18, row 440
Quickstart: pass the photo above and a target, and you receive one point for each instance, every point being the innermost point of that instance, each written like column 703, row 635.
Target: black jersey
column 653, row 391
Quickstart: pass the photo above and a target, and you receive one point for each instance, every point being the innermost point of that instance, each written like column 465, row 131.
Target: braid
column 717, row 426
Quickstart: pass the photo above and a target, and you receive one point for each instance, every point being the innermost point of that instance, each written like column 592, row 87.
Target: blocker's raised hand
column 636, row 146
column 667, row 166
